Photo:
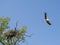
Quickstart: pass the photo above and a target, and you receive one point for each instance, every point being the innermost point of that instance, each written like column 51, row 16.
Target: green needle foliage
column 10, row 37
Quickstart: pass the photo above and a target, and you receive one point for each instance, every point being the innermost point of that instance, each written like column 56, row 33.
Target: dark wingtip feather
column 49, row 24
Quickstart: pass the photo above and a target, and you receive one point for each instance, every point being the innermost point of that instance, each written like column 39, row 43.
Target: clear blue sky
column 31, row 14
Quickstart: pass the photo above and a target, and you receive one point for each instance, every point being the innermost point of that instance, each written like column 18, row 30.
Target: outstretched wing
column 48, row 22
column 45, row 15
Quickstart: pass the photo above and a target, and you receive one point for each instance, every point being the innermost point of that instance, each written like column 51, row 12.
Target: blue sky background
column 31, row 14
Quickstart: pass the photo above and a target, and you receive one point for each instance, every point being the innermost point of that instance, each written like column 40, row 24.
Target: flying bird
column 46, row 19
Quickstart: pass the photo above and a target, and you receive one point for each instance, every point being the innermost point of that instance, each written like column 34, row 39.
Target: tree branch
column 2, row 42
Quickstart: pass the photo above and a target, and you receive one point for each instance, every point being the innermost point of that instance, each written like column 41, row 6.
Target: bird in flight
column 46, row 19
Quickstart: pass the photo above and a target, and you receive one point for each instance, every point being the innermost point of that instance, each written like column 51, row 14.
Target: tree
column 10, row 37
